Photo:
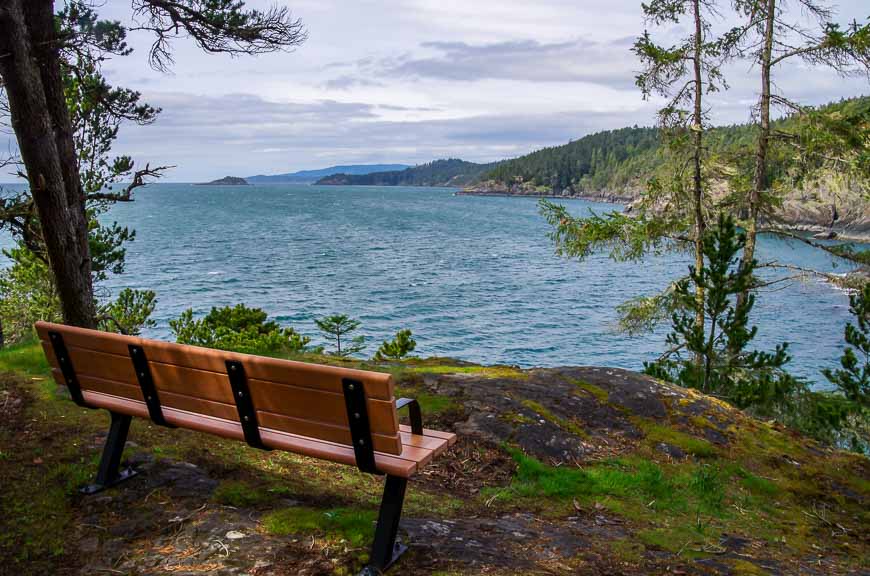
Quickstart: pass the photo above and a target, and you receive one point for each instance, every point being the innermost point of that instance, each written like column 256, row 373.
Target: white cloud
column 412, row 80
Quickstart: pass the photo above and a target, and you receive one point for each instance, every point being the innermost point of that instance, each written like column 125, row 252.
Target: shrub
column 129, row 313
column 27, row 294
column 237, row 328
column 399, row 347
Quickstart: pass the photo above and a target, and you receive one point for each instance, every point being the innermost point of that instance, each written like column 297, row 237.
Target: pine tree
column 727, row 369
column 338, row 325
column 853, row 378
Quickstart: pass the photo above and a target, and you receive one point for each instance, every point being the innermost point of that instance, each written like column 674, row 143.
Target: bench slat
column 317, row 376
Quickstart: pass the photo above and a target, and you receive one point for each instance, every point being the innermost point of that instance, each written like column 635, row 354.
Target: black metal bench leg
column 108, row 474
column 386, row 550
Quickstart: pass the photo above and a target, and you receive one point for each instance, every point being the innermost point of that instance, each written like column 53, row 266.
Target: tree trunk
column 759, row 183
column 31, row 69
column 697, row 182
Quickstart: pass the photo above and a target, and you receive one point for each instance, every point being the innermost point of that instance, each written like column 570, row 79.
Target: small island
column 226, row 181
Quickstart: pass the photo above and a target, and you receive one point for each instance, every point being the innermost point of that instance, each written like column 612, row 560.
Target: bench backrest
column 194, row 388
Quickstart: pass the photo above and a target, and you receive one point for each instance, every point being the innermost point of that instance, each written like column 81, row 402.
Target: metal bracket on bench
column 66, row 368
column 146, row 383
column 244, row 404
column 414, row 413
column 358, row 418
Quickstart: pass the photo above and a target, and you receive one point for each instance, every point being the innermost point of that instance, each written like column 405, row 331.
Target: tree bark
column 30, row 66
column 760, row 181
column 697, row 182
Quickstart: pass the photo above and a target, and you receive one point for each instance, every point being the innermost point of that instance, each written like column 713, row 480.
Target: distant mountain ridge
column 310, row 176
column 447, row 172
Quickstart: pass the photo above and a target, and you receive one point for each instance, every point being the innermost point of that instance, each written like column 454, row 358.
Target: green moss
column 682, row 539
column 599, row 393
column 701, row 422
column 657, row 434
column 516, row 419
column 351, row 525
column 240, row 494
column 746, row 568
column 483, row 371
column 627, row 550
column 571, row 426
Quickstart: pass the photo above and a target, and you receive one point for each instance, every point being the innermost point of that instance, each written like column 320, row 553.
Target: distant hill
column 450, row 172
column 617, row 163
column 310, row 176
column 225, row 181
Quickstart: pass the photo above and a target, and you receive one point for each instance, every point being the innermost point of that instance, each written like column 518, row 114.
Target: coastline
column 843, row 233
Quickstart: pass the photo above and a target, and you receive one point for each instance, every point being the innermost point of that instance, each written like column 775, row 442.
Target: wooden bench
column 337, row 414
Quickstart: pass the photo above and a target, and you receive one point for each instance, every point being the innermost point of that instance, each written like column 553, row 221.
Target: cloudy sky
column 413, row 80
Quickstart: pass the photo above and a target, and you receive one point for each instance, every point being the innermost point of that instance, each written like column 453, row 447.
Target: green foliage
column 450, row 172
column 626, row 159
column 129, row 313
column 609, row 160
column 27, row 294
column 626, row 237
column 643, row 313
column 338, row 325
column 853, row 378
column 727, row 368
column 237, row 328
column 397, row 348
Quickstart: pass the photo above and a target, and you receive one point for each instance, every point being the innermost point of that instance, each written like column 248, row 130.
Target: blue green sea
column 475, row 278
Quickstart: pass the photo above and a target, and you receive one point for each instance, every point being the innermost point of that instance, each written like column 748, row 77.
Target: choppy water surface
column 473, row 277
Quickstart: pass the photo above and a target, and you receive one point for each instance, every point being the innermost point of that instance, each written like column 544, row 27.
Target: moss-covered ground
column 556, row 473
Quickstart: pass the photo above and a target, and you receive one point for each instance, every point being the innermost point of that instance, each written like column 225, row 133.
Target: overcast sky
column 414, row 80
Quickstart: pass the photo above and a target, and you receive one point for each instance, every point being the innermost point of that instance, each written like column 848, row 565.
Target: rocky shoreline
column 822, row 214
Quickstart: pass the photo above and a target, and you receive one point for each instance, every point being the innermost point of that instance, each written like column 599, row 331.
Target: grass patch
column 757, row 485
column 351, row 525
column 26, row 358
column 569, row 425
column 657, row 434
column 430, row 404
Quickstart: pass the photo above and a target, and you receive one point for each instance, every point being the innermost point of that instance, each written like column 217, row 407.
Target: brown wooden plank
column 396, row 465
column 202, row 384
column 199, row 406
column 316, row 376
column 337, row 434
column 112, row 387
column 436, row 445
column 326, row 407
column 449, row 436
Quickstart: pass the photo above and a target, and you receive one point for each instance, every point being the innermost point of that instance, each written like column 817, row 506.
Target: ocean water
column 475, row 278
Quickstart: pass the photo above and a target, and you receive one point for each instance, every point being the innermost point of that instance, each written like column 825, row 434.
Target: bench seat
column 417, row 451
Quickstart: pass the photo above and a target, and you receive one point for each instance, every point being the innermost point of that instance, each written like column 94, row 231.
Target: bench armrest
column 413, row 412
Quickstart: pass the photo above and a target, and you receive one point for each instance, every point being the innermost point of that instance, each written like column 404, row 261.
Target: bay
column 475, row 278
